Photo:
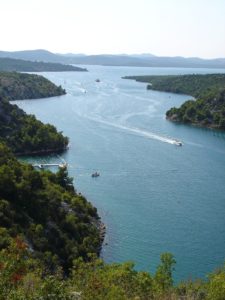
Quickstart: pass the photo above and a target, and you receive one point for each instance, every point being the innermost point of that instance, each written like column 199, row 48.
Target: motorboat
column 95, row 174
column 178, row 143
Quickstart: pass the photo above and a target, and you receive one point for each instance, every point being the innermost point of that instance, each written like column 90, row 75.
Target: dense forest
column 16, row 86
column 20, row 65
column 24, row 134
column 21, row 132
column 207, row 110
column 58, row 224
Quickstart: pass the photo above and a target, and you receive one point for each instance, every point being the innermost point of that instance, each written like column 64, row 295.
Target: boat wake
column 139, row 132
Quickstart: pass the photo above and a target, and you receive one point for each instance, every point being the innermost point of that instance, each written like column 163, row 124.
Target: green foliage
column 216, row 285
column 58, row 224
column 64, row 180
column 100, row 281
column 23, row 277
column 192, row 290
column 16, row 86
column 163, row 276
column 25, row 134
column 194, row 85
column 209, row 90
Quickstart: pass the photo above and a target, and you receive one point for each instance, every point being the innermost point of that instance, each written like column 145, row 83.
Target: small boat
column 178, row 143
column 97, row 80
column 96, row 174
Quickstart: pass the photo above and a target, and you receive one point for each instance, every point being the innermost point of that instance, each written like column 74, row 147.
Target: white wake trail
column 139, row 132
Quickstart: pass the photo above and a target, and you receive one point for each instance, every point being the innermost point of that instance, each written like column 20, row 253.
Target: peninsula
column 21, row 65
column 208, row 110
column 20, row 86
column 23, row 133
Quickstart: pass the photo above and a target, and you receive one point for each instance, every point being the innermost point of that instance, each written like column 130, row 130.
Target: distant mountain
column 32, row 55
column 71, row 54
column 149, row 61
column 137, row 60
column 142, row 55
column 111, row 60
column 11, row 64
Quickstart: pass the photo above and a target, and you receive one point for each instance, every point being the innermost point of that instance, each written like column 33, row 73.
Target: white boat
column 178, row 143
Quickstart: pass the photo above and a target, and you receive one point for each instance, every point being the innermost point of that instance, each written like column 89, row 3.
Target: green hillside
column 16, row 86
column 45, row 210
column 21, row 132
column 24, row 134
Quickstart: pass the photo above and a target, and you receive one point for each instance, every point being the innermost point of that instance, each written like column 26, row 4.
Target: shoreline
column 101, row 227
column 199, row 125
column 102, row 232
column 42, row 152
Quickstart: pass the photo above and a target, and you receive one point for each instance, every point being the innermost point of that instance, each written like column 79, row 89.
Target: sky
column 189, row 28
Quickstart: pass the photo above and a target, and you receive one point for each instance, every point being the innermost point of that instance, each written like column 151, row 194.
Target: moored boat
column 95, row 174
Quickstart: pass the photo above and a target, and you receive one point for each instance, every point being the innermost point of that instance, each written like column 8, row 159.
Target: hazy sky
column 160, row 27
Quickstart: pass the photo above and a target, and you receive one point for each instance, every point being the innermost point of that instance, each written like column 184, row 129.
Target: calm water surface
column 153, row 196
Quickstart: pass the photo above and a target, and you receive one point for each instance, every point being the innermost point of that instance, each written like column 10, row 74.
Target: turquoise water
column 152, row 195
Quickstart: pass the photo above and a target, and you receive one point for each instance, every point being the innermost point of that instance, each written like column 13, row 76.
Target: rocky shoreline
column 173, row 118
column 102, row 229
column 102, row 232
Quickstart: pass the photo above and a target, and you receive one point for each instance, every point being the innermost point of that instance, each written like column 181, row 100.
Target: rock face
column 102, row 232
column 172, row 117
column 102, row 228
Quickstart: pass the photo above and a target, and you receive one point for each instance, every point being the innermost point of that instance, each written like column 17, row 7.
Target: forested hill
column 207, row 110
column 10, row 64
column 16, row 86
column 57, row 224
column 23, row 133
